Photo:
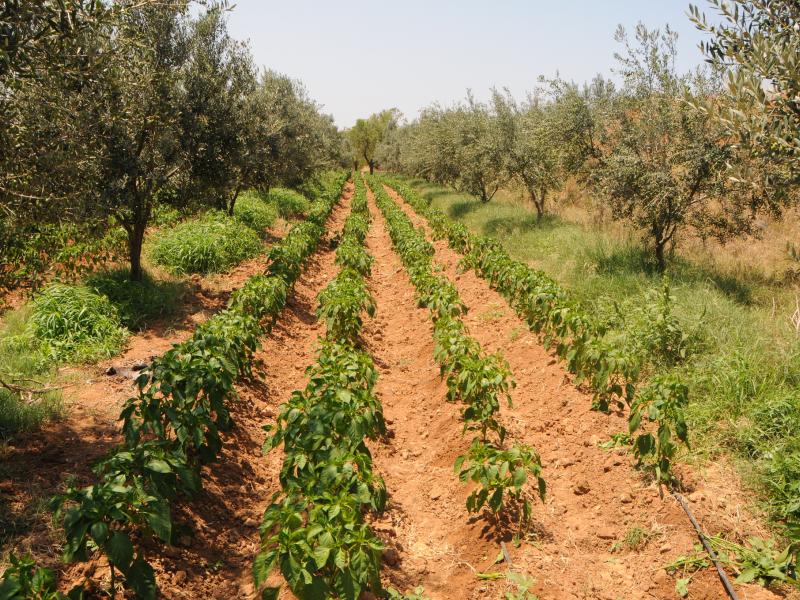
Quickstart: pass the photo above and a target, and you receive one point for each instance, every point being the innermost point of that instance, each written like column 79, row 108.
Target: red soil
column 594, row 496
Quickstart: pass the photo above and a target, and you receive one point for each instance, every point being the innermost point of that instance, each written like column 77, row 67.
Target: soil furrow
column 37, row 465
column 603, row 531
column 215, row 551
column 431, row 539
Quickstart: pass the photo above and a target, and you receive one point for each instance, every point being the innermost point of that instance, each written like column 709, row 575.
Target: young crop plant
column 341, row 304
column 478, row 380
column 503, row 477
column 314, row 531
column 611, row 368
column 661, row 403
column 172, row 426
column 24, row 580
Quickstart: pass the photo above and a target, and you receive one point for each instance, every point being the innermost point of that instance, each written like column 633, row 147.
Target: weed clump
column 74, row 323
column 210, row 244
column 138, row 302
column 254, row 212
column 289, row 203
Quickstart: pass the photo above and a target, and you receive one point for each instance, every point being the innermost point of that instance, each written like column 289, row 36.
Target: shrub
column 75, row 323
column 288, row 202
column 254, row 212
column 209, row 244
column 138, row 302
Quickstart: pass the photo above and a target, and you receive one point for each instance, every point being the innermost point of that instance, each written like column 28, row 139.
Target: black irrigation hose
column 720, row 571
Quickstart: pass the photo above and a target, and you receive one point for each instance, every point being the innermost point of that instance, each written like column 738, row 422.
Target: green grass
column 137, row 302
column 744, row 374
column 290, row 204
column 73, row 323
column 209, row 244
column 23, row 363
column 252, row 210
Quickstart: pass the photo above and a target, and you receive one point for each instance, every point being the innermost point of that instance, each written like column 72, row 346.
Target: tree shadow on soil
column 35, row 467
column 520, row 223
column 458, row 210
column 633, row 259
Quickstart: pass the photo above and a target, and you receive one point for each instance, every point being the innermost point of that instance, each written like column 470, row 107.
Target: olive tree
column 666, row 166
column 367, row 134
column 462, row 146
column 532, row 152
column 756, row 44
column 217, row 80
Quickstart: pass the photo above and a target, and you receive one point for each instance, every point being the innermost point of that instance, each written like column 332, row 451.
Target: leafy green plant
column 23, row 580
column 172, row 426
column 523, row 583
column 74, row 323
column 321, row 546
column 502, row 475
column 255, row 212
column 662, row 403
column 612, row 369
column 341, row 304
column 209, row 244
column 289, row 204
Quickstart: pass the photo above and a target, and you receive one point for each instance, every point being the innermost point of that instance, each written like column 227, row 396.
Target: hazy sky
column 358, row 57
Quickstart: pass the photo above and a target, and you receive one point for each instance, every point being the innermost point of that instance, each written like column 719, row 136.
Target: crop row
column 607, row 368
column 314, row 530
column 480, row 381
column 172, row 427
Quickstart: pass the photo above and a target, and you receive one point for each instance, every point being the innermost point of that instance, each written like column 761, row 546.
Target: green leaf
column 142, row 580
column 321, row 554
column 682, row 587
column 160, row 521
column 99, row 532
column 270, row 593
column 120, row 550
column 159, row 466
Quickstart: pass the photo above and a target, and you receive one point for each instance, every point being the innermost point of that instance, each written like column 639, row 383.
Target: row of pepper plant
column 480, row 381
column 614, row 375
column 172, row 428
column 314, row 531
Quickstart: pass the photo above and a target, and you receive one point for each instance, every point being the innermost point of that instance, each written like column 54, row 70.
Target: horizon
column 380, row 66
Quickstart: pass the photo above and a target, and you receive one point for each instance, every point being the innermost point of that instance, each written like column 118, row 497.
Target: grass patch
column 210, row 244
column 743, row 370
column 254, row 212
column 289, row 204
column 137, row 302
column 73, row 323
column 23, row 363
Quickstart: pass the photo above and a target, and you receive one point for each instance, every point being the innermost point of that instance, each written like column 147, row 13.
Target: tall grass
column 209, row 244
column 23, row 363
column 744, row 376
column 290, row 204
column 74, row 323
column 252, row 210
column 137, row 302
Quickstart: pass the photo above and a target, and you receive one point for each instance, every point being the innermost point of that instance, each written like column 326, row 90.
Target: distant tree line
column 109, row 109
column 663, row 150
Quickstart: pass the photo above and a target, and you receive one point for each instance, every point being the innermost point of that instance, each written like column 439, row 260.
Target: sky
column 357, row 57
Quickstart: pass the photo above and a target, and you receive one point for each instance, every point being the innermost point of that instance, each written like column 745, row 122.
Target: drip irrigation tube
column 720, row 571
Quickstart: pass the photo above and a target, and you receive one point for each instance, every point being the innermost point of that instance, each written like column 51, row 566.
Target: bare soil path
column 34, row 466
column 595, row 497
column 217, row 532
column 214, row 559
column 426, row 525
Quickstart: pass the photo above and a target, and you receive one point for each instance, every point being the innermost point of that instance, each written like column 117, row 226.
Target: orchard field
column 520, row 349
